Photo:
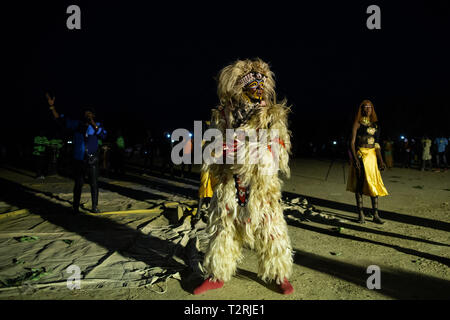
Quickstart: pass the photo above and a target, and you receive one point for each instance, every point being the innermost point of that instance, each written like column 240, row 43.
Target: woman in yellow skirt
column 365, row 177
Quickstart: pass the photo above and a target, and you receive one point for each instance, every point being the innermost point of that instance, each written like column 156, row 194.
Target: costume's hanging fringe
column 260, row 224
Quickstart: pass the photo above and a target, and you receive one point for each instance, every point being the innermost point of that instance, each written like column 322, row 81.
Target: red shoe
column 208, row 284
column 286, row 287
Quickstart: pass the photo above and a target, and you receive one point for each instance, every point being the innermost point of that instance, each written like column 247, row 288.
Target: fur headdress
column 232, row 80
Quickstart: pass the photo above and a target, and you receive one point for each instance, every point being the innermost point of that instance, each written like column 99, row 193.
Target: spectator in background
column 416, row 150
column 105, row 157
column 441, row 145
column 426, row 152
column 85, row 151
column 148, row 151
column 448, row 149
column 119, row 154
column 388, row 153
column 406, row 153
column 54, row 148
column 187, row 149
column 166, row 151
column 40, row 155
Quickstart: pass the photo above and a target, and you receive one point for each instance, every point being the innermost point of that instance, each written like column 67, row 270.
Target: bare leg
column 359, row 193
column 376, row 217
column 359, row 205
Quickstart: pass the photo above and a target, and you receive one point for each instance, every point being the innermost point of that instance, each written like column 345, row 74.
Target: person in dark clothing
column 365, row 177
column 85, row 151
column 166, row 150
column 441, row 145
column 187, row 150
column 54, row 149
column 406, row 153
column 118, row 154
column 105, row 158
column 148, row 151
column 39, row 154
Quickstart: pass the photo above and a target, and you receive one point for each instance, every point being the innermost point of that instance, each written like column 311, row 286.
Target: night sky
column 153, row 66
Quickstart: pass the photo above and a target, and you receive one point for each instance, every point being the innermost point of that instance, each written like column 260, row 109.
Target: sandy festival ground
column 145, row 246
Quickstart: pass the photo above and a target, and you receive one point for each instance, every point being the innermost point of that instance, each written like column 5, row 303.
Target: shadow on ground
column 349, row 226
column 113, row 236
column 397, row 284
column 387, row 215
column 333, row 233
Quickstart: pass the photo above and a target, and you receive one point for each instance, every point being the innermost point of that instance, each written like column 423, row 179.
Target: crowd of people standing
column 424, row 153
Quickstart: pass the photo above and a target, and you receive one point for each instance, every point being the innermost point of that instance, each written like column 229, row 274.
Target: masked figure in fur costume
column 246, row 205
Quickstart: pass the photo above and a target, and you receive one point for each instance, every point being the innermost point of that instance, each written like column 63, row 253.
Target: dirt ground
column 332, row 251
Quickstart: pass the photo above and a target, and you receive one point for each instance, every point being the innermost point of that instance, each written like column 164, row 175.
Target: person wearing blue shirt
column 86, row 133
column 441, row 144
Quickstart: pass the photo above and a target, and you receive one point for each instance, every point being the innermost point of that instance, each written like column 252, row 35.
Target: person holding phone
column 86, row 133
column 365, row 177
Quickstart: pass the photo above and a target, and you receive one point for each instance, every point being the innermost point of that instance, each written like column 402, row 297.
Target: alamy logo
column 254, row 147
column 73, row 282
column 374, row 20
column 374, row 281
column 74, row 20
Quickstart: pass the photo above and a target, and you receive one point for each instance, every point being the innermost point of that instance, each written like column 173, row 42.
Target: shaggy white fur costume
column 259, row 224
